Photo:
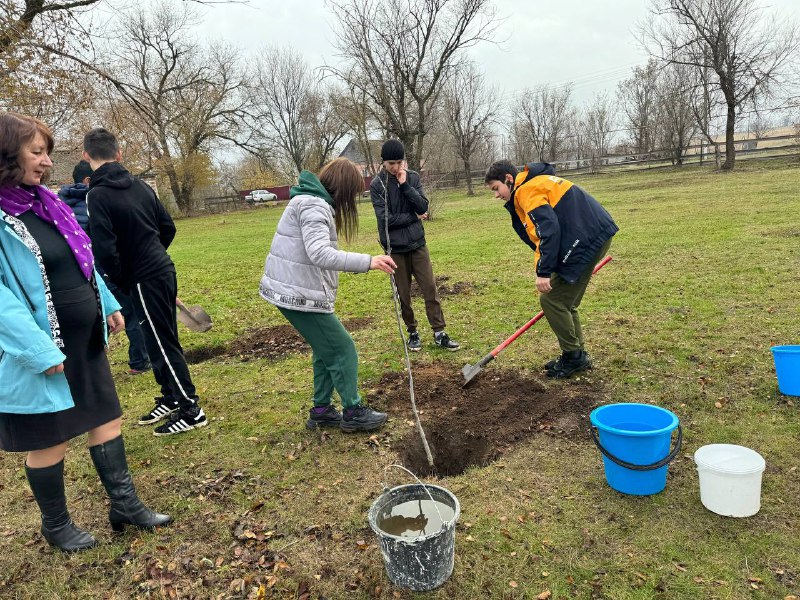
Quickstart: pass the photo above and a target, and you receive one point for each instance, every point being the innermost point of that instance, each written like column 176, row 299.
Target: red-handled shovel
column 471, row 371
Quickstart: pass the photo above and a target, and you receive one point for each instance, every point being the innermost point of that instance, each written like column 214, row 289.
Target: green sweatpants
column 334, row 355
column 560, row 305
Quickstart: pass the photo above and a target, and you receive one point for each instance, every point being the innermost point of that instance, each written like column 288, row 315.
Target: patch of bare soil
column 445, row 287
column 476, row 425
column 264, row 342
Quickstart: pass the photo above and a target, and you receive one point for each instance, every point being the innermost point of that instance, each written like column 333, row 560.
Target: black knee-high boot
column 126, row 508
column 58, row 529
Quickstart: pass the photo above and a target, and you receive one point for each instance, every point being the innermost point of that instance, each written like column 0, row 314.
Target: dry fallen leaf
column 545, row 595
column 513, row 584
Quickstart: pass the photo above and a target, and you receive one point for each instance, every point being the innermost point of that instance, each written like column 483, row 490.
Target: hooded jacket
column 564, row 225
column 74, row 196
column 406, row 202
column 129, row 227
column 302, row 267
column 27, row 344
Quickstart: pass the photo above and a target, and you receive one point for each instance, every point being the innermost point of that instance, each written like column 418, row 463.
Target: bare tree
column 327, row 125
column 189, row 97
column 637, row 97
column 677, row 124
column 282, row 96
column 731, row 38
column 23, row 21
column 758, row 121
column 598, row 123
column 469, row 108
column 705, row 100
column 353, row 107
column 545, row 112
column 403, row 52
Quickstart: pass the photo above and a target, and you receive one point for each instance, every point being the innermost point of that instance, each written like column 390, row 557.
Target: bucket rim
column 786, row 349
column 371, row 514
column 759, row 467
column 669, row 428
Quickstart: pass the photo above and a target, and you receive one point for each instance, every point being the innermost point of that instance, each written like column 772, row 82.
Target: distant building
column 354, row 152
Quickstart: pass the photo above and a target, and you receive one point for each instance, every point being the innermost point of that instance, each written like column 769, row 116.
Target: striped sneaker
column 181, row 422
column 161, row 410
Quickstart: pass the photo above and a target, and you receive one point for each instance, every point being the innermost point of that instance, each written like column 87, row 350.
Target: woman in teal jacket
column 55, row 316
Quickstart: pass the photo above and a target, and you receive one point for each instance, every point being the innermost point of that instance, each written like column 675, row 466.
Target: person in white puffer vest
column 301, row 277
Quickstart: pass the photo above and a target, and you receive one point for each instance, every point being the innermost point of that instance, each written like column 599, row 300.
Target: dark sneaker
column 161, row 410
column 569, row 364
column 181, row 422
column 443, row 341
column 323, row 416
column 414, row 343
column 552, row 364
column 141, row 371
column 361, row 418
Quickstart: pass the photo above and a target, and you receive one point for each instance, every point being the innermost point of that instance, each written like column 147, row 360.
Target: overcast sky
column 588, row 42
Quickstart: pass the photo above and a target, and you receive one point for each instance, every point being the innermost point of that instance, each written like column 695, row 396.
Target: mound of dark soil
column 476, row 425
column 264, row 342
column 445, row 288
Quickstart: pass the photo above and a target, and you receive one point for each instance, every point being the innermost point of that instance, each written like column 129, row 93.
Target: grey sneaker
column 361, row 418
column 414, row 343
column 443, row 341
column 323, row 416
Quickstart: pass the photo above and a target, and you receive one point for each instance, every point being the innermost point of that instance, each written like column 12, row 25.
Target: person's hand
column 401, row 173
column 423, row 216
column 59, row 368
column 116, row 322
column 543, row 284
column 383, row 263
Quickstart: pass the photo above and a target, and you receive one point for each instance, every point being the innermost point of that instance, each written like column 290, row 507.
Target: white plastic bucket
column 730, row 479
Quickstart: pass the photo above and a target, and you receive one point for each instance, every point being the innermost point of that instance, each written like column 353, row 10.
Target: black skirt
column 88, row 374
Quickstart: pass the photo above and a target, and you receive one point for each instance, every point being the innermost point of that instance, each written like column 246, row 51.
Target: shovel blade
column 195, row 318
column 470, row 372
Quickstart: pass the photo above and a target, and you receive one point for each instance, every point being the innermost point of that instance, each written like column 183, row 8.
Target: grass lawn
column 704, row 280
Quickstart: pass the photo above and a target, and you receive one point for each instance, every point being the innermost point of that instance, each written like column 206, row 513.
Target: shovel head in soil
column 194, row 317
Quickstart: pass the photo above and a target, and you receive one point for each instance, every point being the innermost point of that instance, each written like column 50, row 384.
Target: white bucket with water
column 730, row 479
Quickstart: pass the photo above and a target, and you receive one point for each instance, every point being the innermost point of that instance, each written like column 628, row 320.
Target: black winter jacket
column 129, row 227
column 406, row 202
column 74, row 196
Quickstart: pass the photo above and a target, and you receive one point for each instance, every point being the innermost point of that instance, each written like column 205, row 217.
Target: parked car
column 258, row 196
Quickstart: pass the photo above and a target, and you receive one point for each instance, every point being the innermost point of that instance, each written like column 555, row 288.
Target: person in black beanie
column 400, row 206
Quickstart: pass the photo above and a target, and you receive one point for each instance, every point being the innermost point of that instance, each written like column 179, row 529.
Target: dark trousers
column 154, row 303
column 560, row 305
column 137, row 349
column 418, row 263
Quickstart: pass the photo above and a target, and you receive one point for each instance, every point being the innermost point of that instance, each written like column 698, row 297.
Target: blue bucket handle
column 664, row 461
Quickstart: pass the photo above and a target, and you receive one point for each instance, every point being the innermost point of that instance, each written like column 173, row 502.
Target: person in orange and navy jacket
column 569, row 232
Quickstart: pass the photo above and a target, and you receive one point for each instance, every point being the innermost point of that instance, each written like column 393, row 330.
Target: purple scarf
column 16, row 200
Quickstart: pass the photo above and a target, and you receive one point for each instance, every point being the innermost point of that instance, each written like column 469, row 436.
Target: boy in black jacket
column 400, row 189
column 130, row 232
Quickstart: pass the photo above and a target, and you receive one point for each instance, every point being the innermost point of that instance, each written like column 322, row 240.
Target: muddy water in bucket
column 417, row 534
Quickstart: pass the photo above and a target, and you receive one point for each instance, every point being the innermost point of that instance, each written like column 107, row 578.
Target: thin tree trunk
column 468, row 173
column 730, row 148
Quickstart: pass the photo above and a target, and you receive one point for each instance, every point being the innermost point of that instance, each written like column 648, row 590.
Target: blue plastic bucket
column 787, row 367
column 635, row 442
